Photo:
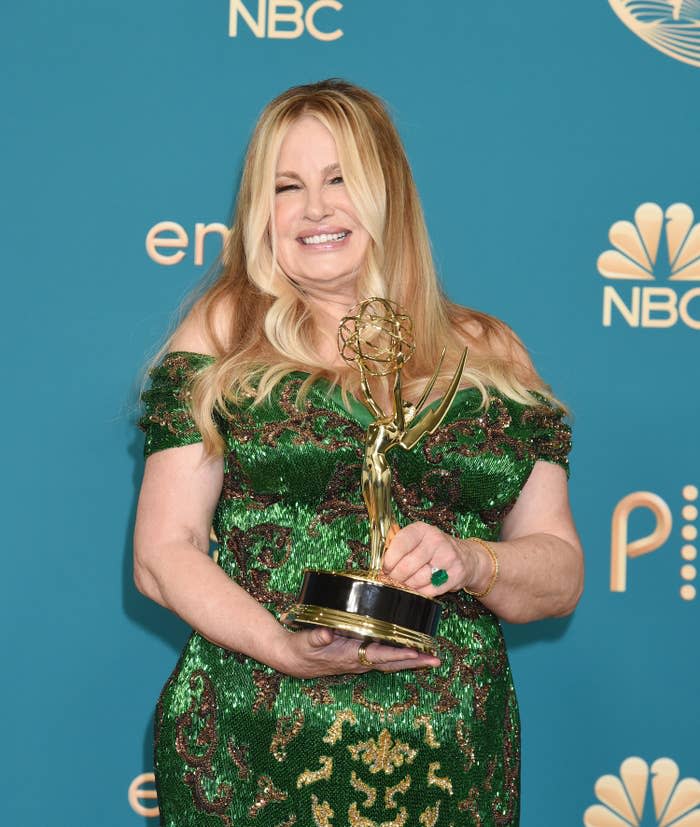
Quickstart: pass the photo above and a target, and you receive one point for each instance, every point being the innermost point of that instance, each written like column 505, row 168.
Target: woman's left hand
column 418, row 549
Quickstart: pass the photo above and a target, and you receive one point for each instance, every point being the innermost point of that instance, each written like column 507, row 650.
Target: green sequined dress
column 237, row 743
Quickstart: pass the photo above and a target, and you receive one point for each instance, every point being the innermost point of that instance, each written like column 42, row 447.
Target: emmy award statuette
column 378, row 341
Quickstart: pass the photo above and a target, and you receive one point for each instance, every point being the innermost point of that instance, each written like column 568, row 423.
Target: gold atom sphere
column 376, row 335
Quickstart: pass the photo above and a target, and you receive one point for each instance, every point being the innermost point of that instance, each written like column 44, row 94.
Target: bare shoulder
column 205, row 329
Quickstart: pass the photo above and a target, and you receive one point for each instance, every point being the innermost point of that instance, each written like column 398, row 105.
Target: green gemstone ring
column 438, row 577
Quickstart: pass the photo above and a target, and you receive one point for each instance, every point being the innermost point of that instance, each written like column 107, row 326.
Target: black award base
column 358, row 604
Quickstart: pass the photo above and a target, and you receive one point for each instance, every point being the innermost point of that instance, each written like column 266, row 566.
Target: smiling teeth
column 324, row 238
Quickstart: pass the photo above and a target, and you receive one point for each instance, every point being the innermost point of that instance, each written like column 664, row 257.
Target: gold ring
column 362, row 654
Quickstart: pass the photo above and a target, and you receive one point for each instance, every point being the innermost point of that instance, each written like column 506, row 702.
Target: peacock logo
column 671, row 26
column 636, row 255
column 637, row 245
column 623, row 800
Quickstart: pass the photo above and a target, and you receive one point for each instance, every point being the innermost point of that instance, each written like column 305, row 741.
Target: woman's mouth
column 324, row 238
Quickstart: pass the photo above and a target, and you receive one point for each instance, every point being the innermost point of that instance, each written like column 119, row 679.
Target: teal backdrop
column 532, row 128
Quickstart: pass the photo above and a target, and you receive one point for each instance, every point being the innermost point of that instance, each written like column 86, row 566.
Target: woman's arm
column 172, row 566
column 539, row 555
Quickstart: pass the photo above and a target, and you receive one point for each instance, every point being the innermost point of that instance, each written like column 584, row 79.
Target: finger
column 422, row 662
column 415, row 557
column 380, row 653
column 421, row 578
column 405, row 540
column 413, row 562
column 433, row 591
column 320, row 636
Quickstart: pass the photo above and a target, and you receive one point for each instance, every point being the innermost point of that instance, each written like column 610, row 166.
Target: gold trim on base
column 362, row 626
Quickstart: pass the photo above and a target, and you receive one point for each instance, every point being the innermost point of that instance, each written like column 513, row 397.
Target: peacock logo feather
column 636, row 245
column 622, row 799
column 671, row 26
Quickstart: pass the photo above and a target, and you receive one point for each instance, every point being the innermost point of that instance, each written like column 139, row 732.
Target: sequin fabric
column 237, row 743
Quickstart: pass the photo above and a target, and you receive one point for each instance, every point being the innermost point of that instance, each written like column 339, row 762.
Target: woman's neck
column 327, row 315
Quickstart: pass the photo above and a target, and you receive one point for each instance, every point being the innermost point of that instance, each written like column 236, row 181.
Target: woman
column 253, row 425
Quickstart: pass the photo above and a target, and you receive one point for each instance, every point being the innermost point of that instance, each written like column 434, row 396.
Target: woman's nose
column 317, row 206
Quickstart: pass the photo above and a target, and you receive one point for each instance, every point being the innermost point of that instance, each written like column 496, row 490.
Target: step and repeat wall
column 555, row 146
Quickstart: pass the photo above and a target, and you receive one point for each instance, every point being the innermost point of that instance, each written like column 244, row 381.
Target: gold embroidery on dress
column 290, row 822
column 430, row 739
column 391, row 792
column 383, row 754
column 267, row 794
column 357, row 820
column 362, row 787
column 288, row 727
column 429, row 817
column 322, row 812
column 318, row 691
column 399, row 708
column 312, row 776
column 433, row 778
column 470, row 805
column 335, row 731
column 465, row 744
column 400, row 820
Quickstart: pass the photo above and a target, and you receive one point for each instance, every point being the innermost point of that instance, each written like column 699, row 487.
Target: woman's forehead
column 309, row 143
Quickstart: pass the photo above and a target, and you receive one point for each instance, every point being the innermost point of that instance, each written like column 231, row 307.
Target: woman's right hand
column 314, row 653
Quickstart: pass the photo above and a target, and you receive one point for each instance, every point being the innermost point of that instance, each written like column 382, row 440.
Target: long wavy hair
column 258, row 323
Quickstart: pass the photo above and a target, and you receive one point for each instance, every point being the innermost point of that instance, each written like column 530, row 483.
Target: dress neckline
column 358, row 410
column 361, row 413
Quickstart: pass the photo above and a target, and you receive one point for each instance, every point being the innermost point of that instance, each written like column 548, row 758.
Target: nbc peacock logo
column 637, row 254
column 671, row 26
column 624, row 799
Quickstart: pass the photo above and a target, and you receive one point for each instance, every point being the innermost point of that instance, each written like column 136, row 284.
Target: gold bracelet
column 494, row 571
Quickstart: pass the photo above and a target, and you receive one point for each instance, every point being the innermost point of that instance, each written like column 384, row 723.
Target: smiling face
column 321, row 244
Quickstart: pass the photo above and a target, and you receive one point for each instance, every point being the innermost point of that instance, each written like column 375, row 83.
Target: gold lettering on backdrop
column 155, row 241
column 623, row 799
column 691, row 321
column 293, row 15
column 659, row 300
column 310, row 22
column 629, row 314
column 643, row 301
column 137, row 793
column 289, row 13
column 201, row 231
column 256, row 25
column 621, row 546
column 670, row 26
column 180, row 239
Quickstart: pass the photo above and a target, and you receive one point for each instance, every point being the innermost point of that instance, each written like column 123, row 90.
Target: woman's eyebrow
column 335, row 167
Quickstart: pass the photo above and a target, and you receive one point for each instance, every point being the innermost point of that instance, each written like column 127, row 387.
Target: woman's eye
column 285, row 187
column 338, row 179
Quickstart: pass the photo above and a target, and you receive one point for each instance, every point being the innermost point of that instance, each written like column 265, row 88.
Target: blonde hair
column 268, row 330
